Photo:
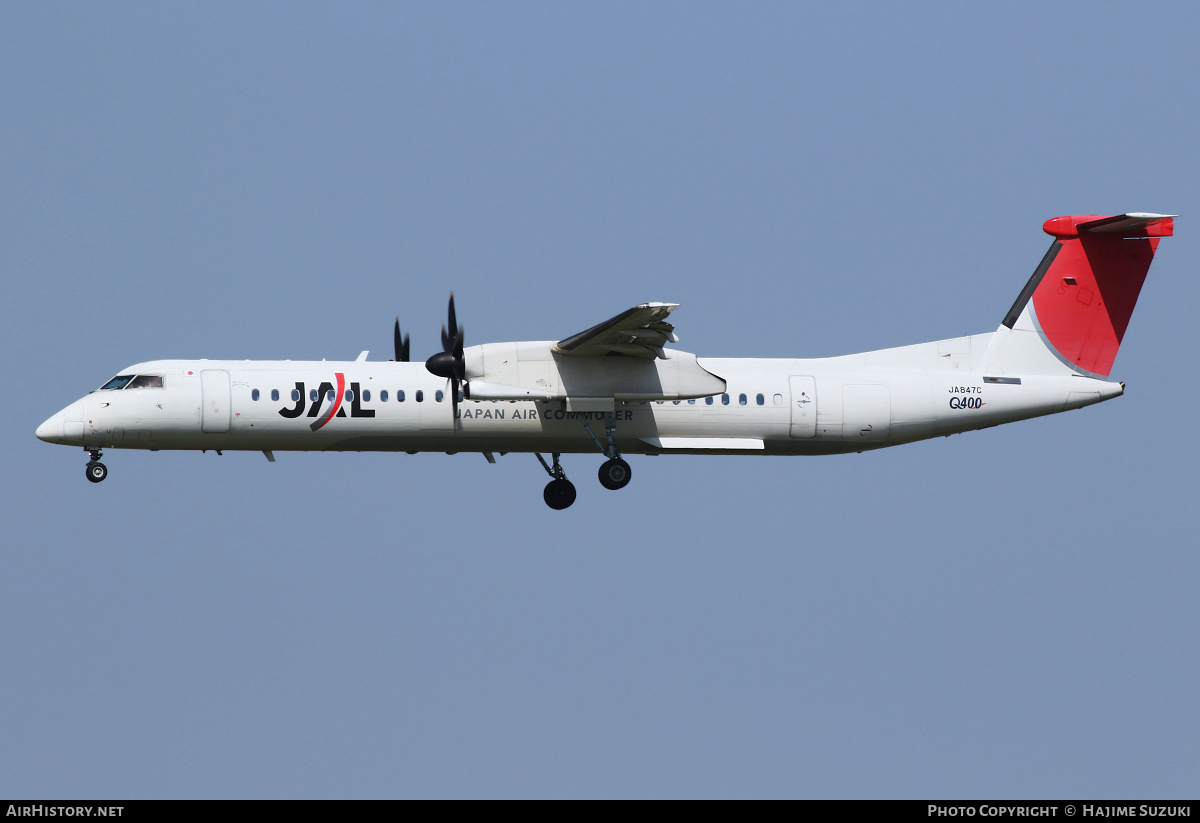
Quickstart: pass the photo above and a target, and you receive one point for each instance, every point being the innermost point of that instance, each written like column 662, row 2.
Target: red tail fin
column 1087, row 292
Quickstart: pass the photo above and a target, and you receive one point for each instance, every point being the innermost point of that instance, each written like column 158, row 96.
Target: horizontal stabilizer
column 1134, row 224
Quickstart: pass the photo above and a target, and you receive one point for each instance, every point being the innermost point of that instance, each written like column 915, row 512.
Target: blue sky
column 1006, row 613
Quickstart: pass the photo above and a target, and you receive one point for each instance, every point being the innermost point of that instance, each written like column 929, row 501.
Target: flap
column 640, row 332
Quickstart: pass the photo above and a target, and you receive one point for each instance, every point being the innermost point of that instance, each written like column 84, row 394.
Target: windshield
column 117, row 382
column 146, row 381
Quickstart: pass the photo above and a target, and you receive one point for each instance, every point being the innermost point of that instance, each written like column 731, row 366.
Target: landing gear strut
column 96, row 471
column 560, row 492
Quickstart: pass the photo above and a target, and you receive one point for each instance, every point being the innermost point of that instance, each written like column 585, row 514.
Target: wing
column 640, row 332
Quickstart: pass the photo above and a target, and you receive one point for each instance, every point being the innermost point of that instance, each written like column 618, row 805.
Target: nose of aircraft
column 51, row 431
column 64, row 427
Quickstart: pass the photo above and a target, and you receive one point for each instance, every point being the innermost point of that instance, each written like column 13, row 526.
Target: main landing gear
column 614, row 472
column 560, row 492
column 96, row 471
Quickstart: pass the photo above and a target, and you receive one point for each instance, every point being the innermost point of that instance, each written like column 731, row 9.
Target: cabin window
column 778, row 399
column 312, row 395
column 741, row 399
column 366, row 395
column 420, row 396
column 708, row 401
column 383, row 396
column 438, row 395
column 146, row 381
column 295, row 395
column 254, row 394
column 760, row 400
column 331, row 394
column 692, row 402
column 675, row 402
column 349, row 396
column 400, row 395
column 274, row 394
column 724, row 400
column 117, row 382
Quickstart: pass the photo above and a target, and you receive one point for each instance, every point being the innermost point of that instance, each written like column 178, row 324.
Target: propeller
column 447, row 340
column 449, row 362
column 401, row 344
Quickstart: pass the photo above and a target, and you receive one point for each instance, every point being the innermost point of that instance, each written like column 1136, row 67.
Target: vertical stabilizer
column 1072, row 314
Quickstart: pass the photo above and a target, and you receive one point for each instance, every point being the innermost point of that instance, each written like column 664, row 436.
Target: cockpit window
column 146, row 381
column 117, row 382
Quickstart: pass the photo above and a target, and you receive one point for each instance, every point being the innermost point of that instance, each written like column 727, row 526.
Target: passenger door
column 804, row 405
column 214, row 401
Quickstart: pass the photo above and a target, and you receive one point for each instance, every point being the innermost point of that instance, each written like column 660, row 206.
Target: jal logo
column 329, row 393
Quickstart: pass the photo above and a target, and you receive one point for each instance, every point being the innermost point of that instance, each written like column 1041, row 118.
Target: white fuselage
column 770, row 406
column 616, row 388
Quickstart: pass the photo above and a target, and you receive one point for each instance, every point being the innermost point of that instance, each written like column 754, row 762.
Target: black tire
column 559, row 494
column 615, row 474
column 96, row 471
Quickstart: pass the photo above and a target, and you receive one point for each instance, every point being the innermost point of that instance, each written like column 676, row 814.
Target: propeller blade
column 453, row 331
column 460, row 363
column 401, row 344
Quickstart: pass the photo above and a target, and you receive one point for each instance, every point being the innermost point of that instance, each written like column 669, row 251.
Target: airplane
column 617, row 389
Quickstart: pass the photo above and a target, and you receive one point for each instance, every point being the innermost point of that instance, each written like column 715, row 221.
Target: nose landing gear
column 96, row 471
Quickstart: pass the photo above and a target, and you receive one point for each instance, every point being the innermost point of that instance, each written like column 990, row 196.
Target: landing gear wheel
column 615, row 474
column 96, row 471
column 559, row 494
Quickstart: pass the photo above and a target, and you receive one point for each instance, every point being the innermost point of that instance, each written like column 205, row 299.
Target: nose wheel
column 95, row 470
